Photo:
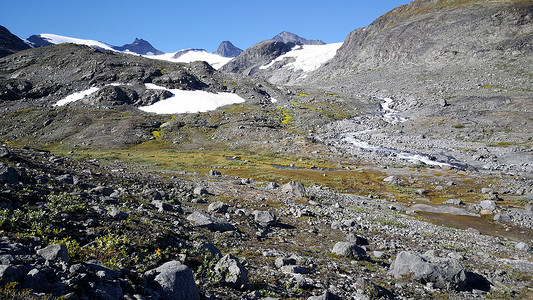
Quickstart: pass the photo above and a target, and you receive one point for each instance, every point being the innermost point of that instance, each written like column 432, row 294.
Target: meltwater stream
column 390, row 116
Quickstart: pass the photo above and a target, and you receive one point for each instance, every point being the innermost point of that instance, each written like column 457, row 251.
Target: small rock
column 353, row 238
column 118, row 214
column 348, row 249
column 272, row 185
column 218, row 207
column 454, row 202
column 200, row 191
column 294, row 269
column 294, row 188
column 487, row 191
column 214, row 224
column 162, row 206
column 53, row 252
column 523, row 247
column 214, row 173
column 284, row 261
column 488, row 205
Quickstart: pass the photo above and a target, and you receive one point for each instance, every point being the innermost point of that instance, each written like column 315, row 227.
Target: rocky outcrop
column 10, row 43
column 227, row 49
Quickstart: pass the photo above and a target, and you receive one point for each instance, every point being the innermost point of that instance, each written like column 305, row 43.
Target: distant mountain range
column 255, row 59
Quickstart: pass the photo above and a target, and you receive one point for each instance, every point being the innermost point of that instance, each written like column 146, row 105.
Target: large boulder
column 175, row 281
column 445, row 273
column 232, row 272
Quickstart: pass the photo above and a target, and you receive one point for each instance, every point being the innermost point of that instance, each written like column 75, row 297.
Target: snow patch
column 58, row 39
column 190, row 101
column 76, row 96
column 308, row 58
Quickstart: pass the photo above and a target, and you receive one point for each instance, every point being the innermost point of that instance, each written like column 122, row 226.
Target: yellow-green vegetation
column 262, row 166
column 287, row 115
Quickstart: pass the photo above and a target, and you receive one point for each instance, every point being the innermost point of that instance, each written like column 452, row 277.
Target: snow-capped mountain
column 139, row 46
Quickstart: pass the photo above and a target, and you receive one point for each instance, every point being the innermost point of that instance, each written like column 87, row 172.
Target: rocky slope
column 10, row 43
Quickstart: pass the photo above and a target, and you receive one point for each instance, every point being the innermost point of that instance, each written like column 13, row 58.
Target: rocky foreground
column 103, row 229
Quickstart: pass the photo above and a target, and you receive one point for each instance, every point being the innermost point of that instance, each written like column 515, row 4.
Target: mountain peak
column 287, row 37
column 10, row 43
column 139, row 46
column 227, row 49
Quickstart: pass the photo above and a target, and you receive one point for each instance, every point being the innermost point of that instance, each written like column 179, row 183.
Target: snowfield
column 216, row 61
column 190, row 101
column 308, row 58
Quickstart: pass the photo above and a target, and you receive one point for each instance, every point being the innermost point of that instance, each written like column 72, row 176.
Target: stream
column 392, row 116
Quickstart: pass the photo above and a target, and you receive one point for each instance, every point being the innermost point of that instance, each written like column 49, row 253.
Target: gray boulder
column 8, row 174
column 54, row 252
column 218, row 207
column 294, row 188
column 175, row 281
column 214, row 224
column 348, row 249
column 264, row 218
column 445, row 273
column 118, row 214
column 232, row 272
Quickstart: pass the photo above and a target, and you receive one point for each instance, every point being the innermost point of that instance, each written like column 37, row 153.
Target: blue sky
column 173, row 25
